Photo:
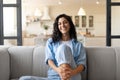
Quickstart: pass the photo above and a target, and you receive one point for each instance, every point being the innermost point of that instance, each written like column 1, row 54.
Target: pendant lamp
column 81, row 11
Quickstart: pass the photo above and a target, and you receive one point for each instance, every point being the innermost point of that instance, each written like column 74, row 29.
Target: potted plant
column 46, row 28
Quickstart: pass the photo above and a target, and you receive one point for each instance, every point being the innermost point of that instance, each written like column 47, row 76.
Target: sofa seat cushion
column 14, row 79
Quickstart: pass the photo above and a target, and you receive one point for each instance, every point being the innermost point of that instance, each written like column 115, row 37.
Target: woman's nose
column 62, row 24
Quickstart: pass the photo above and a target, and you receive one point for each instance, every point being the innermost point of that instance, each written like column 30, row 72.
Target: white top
column 68, row 43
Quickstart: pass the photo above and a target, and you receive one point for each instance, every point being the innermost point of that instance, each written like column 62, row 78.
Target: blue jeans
column 32, row 78
column 64, row 56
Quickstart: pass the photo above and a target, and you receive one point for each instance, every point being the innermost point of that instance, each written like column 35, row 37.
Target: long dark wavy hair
column 57, row 35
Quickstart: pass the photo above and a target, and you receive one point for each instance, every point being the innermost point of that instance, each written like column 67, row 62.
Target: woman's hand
column 65, row 72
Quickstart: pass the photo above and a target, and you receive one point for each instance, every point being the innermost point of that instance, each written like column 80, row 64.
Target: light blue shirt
column 77, row 49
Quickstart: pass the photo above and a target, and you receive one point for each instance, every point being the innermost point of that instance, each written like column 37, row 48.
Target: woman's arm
column 80, row 60
column 77, row 70
column 52, row 65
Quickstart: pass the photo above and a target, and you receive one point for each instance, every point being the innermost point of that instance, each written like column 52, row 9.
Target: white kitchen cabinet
column 95, row 41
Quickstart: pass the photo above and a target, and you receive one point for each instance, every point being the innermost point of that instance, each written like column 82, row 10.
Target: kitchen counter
column 87, row 40
column 95, row 41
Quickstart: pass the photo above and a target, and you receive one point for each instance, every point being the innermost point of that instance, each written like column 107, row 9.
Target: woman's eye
column 65, row 22
column 59, row 24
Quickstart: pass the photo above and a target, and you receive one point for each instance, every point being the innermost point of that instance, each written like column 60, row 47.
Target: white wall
column 99, row 13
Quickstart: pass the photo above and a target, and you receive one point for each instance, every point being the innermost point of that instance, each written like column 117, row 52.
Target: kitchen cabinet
column 95, row 41
column 87, row 41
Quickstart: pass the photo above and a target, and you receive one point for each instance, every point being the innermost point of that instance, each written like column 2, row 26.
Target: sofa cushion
column 4, row 64
column 21, row 58
column 39, row 66
column 101, row 63
column 14, row 79
column 117, row 50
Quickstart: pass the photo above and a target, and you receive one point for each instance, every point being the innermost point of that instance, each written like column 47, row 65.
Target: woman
column 64, row 54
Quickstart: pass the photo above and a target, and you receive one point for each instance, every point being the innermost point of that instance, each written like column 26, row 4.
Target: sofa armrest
column 4, row 64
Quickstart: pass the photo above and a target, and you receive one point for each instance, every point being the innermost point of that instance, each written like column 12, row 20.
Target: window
column 10, row 22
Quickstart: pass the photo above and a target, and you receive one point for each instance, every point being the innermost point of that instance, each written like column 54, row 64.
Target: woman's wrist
column 77, row 70
column 74, row 72
column 57, row 69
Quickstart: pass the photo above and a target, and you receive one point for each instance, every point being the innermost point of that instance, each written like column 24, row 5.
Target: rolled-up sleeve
column 48, row 51
column 81, row 58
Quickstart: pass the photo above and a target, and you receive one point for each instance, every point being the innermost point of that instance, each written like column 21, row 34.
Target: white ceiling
column 64, row 2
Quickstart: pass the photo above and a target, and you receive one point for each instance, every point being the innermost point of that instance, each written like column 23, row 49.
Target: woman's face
column 63, row 25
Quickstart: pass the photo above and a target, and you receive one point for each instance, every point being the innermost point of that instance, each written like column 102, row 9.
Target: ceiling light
column 81, row 11
column 59, row 2
column 97, row 2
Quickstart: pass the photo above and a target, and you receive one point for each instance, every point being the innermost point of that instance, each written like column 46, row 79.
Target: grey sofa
column 103, row 63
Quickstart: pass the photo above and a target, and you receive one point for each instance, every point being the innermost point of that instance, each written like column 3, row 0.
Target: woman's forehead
column 62, row 19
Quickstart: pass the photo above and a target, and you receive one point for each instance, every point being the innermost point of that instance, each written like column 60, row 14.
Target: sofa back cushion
column 21, row 61
column 117, row 50
column 4, row 64
column 101, row 63
column 39, row 66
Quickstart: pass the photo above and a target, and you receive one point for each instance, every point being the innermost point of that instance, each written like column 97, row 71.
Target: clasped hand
column 65, row 72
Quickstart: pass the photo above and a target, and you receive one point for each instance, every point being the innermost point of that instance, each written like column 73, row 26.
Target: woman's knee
column 64, row 49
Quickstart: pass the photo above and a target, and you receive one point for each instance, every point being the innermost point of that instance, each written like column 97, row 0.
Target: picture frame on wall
column 77, row 21
column 91, row 22
column 84, row 21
